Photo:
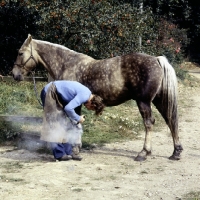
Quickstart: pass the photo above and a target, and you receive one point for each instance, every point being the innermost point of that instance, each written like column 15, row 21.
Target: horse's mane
column 55, row 45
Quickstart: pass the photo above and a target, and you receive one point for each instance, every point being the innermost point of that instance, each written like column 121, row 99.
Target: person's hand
column 82, row 119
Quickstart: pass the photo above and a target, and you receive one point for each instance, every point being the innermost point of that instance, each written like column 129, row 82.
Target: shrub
column 105, row 29
column 169, row 40
column 16, row 21
column 100, row 29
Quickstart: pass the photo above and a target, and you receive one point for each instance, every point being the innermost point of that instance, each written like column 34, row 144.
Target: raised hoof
column 173, row 157
column 140, row 158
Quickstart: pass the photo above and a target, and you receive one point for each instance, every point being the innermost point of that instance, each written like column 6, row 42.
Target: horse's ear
column 29, row 38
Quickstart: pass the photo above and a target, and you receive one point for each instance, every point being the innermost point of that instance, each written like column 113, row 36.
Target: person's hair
column 97, row 104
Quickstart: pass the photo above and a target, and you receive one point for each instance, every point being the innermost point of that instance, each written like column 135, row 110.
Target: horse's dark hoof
column 140, row 158
column 173, row 157
column 177, row 152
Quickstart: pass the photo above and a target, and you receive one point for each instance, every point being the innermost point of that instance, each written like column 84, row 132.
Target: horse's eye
column 20, row 54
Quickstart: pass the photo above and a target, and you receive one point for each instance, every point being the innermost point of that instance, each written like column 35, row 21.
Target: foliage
column 16, row 21
column 18, row 98
column 9, row 131
column 193, row 195
column 181, row 74
column 169, row 41
column 104, row 29
column 184, row 13
column 97, row 28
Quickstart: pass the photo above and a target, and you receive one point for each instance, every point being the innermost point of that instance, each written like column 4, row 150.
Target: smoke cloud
column 61, row 130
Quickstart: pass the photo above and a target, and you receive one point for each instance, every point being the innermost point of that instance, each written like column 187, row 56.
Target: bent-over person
column 61, row 123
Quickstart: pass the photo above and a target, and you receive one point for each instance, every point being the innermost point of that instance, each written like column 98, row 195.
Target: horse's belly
column 113, row 97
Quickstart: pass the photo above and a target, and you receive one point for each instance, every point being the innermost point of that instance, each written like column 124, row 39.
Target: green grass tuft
column 193, row 195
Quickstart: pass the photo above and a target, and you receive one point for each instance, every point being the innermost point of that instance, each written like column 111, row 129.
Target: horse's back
column 121, row 78
column 143, row 73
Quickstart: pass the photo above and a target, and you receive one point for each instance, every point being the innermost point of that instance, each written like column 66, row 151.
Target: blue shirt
column 72, row 94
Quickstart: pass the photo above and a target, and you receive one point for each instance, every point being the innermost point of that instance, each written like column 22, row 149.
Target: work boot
column 76, row 157
column 76, row 149
column 65, row 158
column 75, row 152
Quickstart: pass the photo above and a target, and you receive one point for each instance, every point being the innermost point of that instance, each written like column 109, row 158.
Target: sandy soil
column 110, row 172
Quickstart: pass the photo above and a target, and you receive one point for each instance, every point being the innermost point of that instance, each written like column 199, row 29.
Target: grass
column 4, row 178
column 117, row 123
column 193, row 195
column 18, row 98
column 11, row 167
column 77, row 189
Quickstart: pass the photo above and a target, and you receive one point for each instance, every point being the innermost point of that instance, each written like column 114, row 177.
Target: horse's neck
column 56, row 58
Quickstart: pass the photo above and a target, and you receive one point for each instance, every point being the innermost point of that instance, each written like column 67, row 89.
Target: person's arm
column 69, row 108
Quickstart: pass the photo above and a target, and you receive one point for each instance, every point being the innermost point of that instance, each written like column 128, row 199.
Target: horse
column 136, row 76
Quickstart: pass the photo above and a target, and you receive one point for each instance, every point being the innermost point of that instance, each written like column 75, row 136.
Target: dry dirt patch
column 109, row 172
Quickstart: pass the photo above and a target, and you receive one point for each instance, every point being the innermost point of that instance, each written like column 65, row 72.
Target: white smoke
column 62, row 130
column 74, row 132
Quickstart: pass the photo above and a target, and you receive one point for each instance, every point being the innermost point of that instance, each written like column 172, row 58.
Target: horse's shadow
column 33, row 151
column 118, row 153
column 111, row 152
column 24, row 154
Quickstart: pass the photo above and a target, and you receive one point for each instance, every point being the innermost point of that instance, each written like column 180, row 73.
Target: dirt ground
column 110, row 172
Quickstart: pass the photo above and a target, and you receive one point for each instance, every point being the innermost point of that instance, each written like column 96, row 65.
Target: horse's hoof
column 140, row 158
column 173, row 157
column 177, row 153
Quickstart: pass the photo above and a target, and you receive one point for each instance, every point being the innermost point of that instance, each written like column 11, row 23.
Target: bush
column 100, row 29
column 97, row 28
column 169, row 40
column 103, row 29
column 16, row 21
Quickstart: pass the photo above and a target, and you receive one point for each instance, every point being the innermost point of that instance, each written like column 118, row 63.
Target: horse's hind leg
column 145, row 110
column 173, row 125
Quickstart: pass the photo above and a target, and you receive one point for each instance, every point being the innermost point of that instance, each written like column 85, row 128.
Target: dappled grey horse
column 136, row 76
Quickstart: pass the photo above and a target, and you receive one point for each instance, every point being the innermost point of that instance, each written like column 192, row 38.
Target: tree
column 185, row 14
column 16, row 22
column 98, row 28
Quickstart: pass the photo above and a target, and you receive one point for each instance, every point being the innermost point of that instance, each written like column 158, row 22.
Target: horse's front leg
column 145, row 110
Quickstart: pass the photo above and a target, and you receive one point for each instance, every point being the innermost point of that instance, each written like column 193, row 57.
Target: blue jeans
column 60, row 149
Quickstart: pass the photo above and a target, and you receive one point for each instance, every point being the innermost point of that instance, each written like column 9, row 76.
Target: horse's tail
column 169, row 95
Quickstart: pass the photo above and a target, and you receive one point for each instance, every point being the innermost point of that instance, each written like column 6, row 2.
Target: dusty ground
column 110, row 173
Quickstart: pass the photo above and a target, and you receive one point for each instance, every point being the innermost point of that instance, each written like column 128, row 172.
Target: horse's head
column 26, row 60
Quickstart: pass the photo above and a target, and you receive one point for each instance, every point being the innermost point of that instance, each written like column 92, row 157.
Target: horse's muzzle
column 18, row 77
column 16, row 73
